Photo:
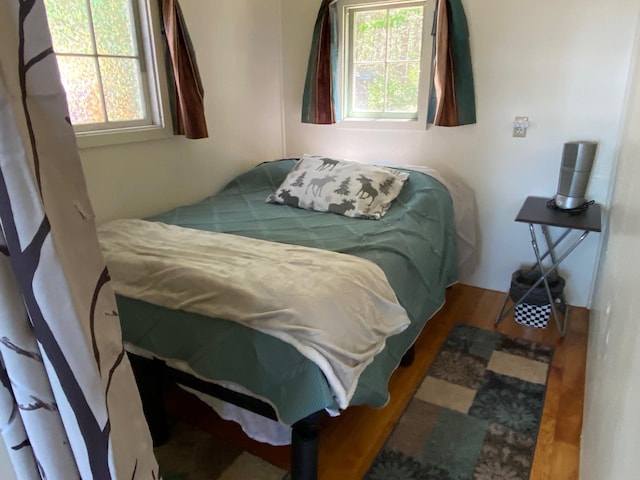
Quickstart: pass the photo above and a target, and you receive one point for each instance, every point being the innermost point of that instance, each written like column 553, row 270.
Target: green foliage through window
column 384, row 60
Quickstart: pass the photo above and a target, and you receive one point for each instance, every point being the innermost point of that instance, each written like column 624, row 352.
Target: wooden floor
column 350, row 442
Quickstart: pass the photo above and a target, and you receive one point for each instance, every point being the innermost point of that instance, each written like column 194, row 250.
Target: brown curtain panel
column 452, row 101
column 187, row 100
column 443, row 82
column 319, row 103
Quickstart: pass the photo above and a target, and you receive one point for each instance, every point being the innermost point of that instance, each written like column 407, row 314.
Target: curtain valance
column 452, row 95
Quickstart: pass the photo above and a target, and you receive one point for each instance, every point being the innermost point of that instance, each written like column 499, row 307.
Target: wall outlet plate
column 520, row 125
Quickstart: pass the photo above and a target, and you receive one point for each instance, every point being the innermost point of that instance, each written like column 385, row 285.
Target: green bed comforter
column 414, row 244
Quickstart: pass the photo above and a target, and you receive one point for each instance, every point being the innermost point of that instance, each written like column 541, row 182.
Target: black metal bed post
column 305, row 441
column 409, row 356
column 150, row 377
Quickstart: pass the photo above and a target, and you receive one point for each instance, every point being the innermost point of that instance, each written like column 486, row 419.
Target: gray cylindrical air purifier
column 577, row 160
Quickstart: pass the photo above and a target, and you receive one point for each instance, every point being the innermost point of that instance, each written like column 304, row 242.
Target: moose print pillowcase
column 339, row 186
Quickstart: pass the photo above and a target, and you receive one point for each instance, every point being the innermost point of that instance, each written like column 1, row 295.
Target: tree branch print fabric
column 69, row 407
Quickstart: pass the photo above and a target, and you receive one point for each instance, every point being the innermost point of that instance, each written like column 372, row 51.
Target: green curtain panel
column 452, row 96
column 320, row 101
column 185, row 85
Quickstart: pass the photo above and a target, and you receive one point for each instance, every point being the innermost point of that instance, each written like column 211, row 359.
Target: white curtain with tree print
column 69, row 407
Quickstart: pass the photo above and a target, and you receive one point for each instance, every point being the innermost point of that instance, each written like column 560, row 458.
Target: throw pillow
column 339, row 186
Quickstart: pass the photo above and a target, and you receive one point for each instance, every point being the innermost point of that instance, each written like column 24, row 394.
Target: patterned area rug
column 475, row 416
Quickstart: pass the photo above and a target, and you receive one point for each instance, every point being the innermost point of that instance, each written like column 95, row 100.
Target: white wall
column 611, row 416
column 237, row 45
column 563, row 64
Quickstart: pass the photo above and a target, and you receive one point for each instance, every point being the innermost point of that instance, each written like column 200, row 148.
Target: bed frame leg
column 305, row 439
column 407, row 358
column 149, row 376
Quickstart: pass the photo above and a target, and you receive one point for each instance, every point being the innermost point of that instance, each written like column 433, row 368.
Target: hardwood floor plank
column 563, row 460
column 544, row 450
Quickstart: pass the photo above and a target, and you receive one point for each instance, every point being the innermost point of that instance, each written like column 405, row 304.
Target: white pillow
column 339, row 186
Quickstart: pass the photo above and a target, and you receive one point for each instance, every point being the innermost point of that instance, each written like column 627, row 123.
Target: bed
column 414, row 244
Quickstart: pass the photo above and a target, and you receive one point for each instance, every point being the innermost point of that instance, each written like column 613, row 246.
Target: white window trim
column 425, row 69
column 156, row 91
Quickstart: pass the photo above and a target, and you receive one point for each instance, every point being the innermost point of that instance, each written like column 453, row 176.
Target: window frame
column 153, row 80
column 345, row 41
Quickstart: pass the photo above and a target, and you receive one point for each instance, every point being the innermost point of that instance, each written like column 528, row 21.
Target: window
column 386, row 63
column 108, row 66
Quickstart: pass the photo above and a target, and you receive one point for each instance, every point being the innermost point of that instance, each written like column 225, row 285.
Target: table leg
column 501, row 315
column 562, row 327
column 551, row 246
column 536, row 250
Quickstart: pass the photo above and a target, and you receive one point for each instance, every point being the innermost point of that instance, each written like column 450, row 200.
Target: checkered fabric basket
column 533, row 315
column 535, row 312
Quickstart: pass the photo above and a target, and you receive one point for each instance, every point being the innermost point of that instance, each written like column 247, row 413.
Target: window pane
column 402, row 87
column 112, row 23
column 122, row 95
column 368, row 86
column 69, row 25
column 80, row 79
column 405, row 33
column 370, row 36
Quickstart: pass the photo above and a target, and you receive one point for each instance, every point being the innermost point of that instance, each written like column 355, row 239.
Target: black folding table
column 535, row 211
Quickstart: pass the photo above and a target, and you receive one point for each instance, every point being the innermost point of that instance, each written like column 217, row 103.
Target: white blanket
column 335, row 309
